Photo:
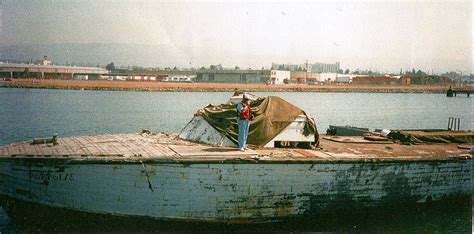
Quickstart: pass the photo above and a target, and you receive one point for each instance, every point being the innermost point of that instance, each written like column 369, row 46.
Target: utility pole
column 306, row 68
column 460, row 78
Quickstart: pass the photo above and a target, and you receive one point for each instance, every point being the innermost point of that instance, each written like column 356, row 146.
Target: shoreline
column 153, row 86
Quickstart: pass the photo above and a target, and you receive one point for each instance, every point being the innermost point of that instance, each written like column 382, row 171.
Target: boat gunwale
column 254, row 160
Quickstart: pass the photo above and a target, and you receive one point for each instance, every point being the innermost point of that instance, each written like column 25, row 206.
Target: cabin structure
column 277, row 123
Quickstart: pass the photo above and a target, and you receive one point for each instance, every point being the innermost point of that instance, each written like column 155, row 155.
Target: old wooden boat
column 162, row 176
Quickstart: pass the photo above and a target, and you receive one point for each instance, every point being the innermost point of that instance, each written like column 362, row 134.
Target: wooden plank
column 147, row 152
column 322, row 155
column 94, row 151
column 69, row 148
column 305, row 153
column 82, row 148
column 167, row 151
column 128, row 149
column 113, row 149
column 72, row 146
column 36, row 150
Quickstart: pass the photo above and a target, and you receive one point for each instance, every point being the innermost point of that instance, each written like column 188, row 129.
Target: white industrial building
column 278, row 76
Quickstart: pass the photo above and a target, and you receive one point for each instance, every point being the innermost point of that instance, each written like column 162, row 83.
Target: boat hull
column 230, row 192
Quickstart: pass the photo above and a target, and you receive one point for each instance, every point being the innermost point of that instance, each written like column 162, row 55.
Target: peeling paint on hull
column 243, row 192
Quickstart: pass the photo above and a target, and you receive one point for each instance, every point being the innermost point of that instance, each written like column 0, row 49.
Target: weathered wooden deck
column 137, row 147
column 160, row 176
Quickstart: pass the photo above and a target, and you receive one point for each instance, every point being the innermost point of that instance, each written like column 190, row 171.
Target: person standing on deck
column 244, row 115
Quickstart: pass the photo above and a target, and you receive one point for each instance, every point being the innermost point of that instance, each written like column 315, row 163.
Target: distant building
column 382, row 80
column 325, row 67
column 166, row 75
column 316, row 67
column 81, row 77
column 344, row 78
column 44, row 62
column 231, row 76
column 287, row 67
column 153, row 75
column 336, row 78
column 13, row 70
column 458, row 77
column 327, row 77
column 279, row 77
column 179, row 78
column 144, row 77
column 118, row 76
column 405, row 80
column 302, row 77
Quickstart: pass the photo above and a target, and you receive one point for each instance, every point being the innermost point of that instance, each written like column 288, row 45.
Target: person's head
column 245, row 97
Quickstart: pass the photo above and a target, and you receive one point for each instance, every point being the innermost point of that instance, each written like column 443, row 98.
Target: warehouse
column 231, row 76
column 16, row 70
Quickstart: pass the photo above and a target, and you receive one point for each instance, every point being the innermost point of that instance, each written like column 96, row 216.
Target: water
column 30, row 113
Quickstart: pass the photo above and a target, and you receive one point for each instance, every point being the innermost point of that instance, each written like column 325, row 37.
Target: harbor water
column 30, row 113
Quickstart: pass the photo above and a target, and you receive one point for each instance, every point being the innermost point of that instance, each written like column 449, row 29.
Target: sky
column 383, row 36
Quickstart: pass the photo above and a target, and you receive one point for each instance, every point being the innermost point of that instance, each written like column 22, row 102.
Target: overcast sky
column 385, row 36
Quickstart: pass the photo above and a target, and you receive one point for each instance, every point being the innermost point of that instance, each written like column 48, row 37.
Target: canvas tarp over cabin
column 272, row 116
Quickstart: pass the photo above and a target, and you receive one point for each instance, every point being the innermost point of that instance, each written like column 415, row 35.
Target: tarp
column 432, row 136
column 271, row 115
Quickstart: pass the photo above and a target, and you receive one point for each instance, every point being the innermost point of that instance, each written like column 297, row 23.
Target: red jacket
column 245, row 113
